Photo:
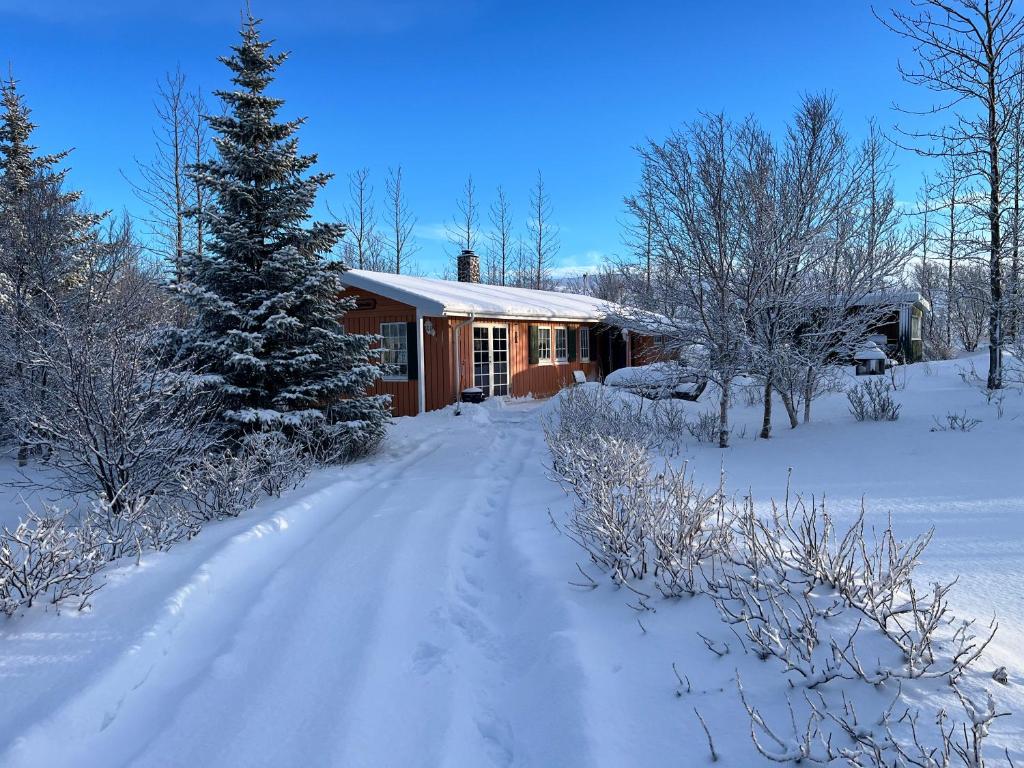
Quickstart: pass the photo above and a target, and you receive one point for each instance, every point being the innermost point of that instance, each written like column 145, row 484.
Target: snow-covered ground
column 416, row 610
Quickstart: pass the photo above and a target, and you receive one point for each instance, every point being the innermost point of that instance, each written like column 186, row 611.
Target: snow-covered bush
column 873, row 401
column 157, row 522
column 836, row 607
column 220, row 485
column 48, row 557
column 626, row 516
column 687, row 527
column 590, row 409
column 277, row 463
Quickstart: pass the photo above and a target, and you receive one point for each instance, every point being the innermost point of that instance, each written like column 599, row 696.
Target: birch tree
column 400, row 223
column 500, row 240
column 542, row 233
column 173, row 201
column 968, row 54
column 464, row 229
column 698, row 222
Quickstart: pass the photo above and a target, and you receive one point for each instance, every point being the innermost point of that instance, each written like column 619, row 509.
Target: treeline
column 156, row 404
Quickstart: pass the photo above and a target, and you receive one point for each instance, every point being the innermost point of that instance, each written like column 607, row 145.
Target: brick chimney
column 468, row 267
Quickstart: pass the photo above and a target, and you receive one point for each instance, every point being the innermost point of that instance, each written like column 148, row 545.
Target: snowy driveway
column 382, row 620
column 415, row 610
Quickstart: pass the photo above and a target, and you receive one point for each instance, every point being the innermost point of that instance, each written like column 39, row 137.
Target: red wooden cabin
column 444, row 336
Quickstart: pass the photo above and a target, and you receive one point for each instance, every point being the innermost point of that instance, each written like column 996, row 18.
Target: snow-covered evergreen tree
column 47, row 242
column 267, row 300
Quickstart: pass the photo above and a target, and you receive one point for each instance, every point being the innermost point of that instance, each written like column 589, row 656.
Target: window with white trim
column 396, row 351
column 584, row 337
column 543, row 345
column 561, row 345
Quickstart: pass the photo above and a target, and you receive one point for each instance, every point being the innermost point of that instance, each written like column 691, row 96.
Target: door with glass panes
column 490, row 359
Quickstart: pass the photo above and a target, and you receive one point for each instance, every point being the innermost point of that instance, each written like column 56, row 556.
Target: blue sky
column 447, row 88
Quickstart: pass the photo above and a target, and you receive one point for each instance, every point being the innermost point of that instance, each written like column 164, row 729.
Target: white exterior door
column 490, row 359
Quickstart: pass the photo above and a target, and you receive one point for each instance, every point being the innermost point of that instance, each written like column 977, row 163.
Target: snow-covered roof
column 895, row 298
column 870, row 351
column 441, row 298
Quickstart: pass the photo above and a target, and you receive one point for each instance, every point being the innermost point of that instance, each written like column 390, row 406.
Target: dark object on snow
column 473, row 395
column 690, row 390
column 1001, row 676
column 870, row 360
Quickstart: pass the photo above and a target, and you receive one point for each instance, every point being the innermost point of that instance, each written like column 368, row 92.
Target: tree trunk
column 808, row 393
column 790, row 406
column 995, row 314
column 723, row 415
column 766, row 421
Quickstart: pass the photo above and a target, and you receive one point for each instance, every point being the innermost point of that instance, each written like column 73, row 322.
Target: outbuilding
column 442, row 337
column 897, row 328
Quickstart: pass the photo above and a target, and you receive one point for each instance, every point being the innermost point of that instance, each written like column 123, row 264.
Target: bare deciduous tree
column 115, row 425
column 969, row 52
column 464, row 230
column 400, row 223
column 698, row 219
column 361, row 219
column 172, row 199
column 543, row 234
column 501, row 238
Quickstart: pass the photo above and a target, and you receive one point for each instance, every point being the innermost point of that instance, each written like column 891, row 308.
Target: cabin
column 443, row 337
column 897, row 330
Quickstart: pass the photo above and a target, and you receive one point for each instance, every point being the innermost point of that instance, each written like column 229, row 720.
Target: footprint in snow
column 497, row 734
column 427, row 657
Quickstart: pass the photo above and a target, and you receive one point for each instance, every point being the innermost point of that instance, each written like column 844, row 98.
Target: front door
column 490, row 359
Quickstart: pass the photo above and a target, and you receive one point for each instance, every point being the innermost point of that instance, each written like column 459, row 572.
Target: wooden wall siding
column 439, row 361
column 404, row 397
column 643, row 350
column 439, row 357
column 525, row 379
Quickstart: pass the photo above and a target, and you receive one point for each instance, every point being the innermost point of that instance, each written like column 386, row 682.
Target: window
column 543, row 345
column 396, row 351
column 561, row 345
column 584, row 344
column 915, row 327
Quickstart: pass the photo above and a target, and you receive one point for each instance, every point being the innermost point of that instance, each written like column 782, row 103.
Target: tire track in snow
column 128, row 705
column 386, row 619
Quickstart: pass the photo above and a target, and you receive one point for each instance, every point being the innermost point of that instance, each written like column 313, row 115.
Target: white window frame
column 403, row 347
column 561, row 358
column 583, row 333
column 541, row 358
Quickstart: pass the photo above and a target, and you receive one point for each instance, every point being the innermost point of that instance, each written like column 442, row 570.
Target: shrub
column 48, row 557
column 277, row 463
column 705, row 428
column 221, row 485
column 873, row 401
column 955, row 422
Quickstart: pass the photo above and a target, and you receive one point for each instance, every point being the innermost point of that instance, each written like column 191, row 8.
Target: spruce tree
column 46, row 238
column 48, row 243
column 266, row 297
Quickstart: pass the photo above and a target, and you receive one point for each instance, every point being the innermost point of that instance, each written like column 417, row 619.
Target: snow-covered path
column 385, row 619
column 415, row 610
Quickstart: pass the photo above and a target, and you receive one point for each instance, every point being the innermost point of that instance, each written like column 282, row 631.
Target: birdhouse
column 870, row 360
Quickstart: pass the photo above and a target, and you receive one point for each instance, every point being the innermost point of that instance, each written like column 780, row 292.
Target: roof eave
column 525, row 318
column 424, row 306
